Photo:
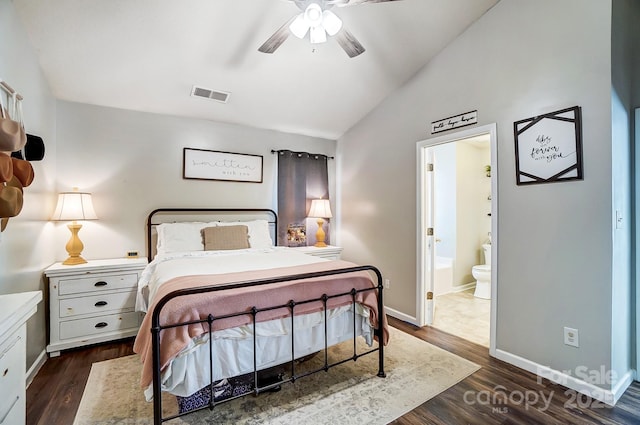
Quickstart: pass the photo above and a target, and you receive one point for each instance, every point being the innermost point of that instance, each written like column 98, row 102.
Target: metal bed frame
column 157, row 327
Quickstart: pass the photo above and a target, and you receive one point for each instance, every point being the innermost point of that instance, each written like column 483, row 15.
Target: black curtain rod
column 301, row 153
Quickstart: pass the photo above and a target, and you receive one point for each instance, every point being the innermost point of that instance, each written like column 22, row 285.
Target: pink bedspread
column 197, row 307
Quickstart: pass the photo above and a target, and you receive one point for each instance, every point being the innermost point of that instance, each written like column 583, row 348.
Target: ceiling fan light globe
column 331, row 23
column 313, row 15
column 299, row 26
column 317, row 35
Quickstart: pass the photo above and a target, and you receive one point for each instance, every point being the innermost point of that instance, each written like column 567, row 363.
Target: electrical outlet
column 571, row 337
column 387, row 284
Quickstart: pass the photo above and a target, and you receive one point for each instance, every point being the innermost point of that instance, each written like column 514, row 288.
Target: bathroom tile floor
column 461, row 314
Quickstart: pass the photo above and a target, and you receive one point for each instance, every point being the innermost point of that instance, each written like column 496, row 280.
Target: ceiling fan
column 318, row 21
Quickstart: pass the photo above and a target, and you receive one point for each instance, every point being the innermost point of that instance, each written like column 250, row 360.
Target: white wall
column 521, row 59
column 132, row 163
column 25, row 245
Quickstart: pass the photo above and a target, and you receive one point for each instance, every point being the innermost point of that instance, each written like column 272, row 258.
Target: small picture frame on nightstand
column 296, row 235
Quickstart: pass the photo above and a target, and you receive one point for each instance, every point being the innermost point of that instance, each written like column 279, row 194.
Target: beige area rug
column 348, row 394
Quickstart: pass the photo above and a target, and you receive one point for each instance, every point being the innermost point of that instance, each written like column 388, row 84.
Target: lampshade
column 74, row 206
column 320, row 208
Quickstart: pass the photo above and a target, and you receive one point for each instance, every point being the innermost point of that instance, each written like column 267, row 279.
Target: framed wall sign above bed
column 203, row 164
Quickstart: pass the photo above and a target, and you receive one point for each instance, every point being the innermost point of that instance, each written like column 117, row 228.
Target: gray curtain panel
column 302, row 177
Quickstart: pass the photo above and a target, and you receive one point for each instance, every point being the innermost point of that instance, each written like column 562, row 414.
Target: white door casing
column 424, row 242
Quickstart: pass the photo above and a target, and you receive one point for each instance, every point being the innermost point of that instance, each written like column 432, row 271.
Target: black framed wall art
column 203, row 164
column 549, row 147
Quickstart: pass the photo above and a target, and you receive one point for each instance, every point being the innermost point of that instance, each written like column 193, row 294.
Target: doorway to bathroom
column 457, row 221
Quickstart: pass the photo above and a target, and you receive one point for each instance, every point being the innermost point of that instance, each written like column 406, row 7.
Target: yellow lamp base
column 74, row 246
column 74, row 261
column 320, row 235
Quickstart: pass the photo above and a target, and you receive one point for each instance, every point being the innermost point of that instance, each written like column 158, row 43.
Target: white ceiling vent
column 217, row 95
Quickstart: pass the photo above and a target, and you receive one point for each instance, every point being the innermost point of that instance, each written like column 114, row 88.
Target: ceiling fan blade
column 349, row 43
column 277, row 38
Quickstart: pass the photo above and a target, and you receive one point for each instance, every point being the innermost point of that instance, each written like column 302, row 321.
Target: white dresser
column 15, row 309
column 329, row 252
column 93, row 302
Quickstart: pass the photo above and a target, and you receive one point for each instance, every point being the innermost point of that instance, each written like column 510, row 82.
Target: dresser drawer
column 12, row 359
column 14, row 411
column 97, row 325
column 97, row 283
column 118, row 301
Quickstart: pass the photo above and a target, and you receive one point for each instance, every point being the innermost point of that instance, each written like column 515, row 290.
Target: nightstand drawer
column 119, row 301
column 96, row 325
column 12, row 355
column 97, row 283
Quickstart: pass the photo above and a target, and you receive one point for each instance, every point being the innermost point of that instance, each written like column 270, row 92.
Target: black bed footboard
column 156, row 328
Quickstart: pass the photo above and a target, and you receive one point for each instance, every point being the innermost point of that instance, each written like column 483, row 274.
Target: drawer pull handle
column 9, row 411
column 100, row 283
column 101, row 304
column 101, row 325
column 5, row 372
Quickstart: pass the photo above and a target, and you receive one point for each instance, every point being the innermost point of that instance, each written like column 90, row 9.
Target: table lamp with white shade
column 74, row 206
column 320, row 208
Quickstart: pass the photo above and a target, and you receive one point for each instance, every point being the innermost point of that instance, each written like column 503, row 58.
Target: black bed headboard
column 178, row 215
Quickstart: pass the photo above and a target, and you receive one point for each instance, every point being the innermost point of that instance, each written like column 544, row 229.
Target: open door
column 430, row 259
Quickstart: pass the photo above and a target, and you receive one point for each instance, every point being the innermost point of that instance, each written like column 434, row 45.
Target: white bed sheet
column 233, row 348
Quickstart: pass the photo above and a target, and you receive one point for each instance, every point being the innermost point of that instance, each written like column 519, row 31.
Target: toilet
column 482, row 274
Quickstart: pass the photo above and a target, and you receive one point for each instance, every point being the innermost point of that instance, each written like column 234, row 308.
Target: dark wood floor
column 54, row 395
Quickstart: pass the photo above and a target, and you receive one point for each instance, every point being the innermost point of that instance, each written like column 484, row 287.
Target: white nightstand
column 92, row 302
column 329, row 252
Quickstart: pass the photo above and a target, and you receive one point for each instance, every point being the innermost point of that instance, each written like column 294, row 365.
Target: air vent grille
column 217, row 95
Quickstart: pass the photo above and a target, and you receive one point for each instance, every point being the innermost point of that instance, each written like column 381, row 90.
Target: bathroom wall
column 473, row 223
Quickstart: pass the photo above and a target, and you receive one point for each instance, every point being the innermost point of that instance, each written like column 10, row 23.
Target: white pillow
column 180, row 237
column 259, row 234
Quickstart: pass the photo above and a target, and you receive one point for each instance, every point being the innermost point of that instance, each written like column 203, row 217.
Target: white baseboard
column 466, row 286
column 609, row 397
column 35, row 367
column 401, row 316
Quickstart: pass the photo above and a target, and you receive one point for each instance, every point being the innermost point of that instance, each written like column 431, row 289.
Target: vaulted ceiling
column 146, row 55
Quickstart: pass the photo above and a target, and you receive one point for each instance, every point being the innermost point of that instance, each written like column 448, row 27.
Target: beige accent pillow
column 225, row 237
